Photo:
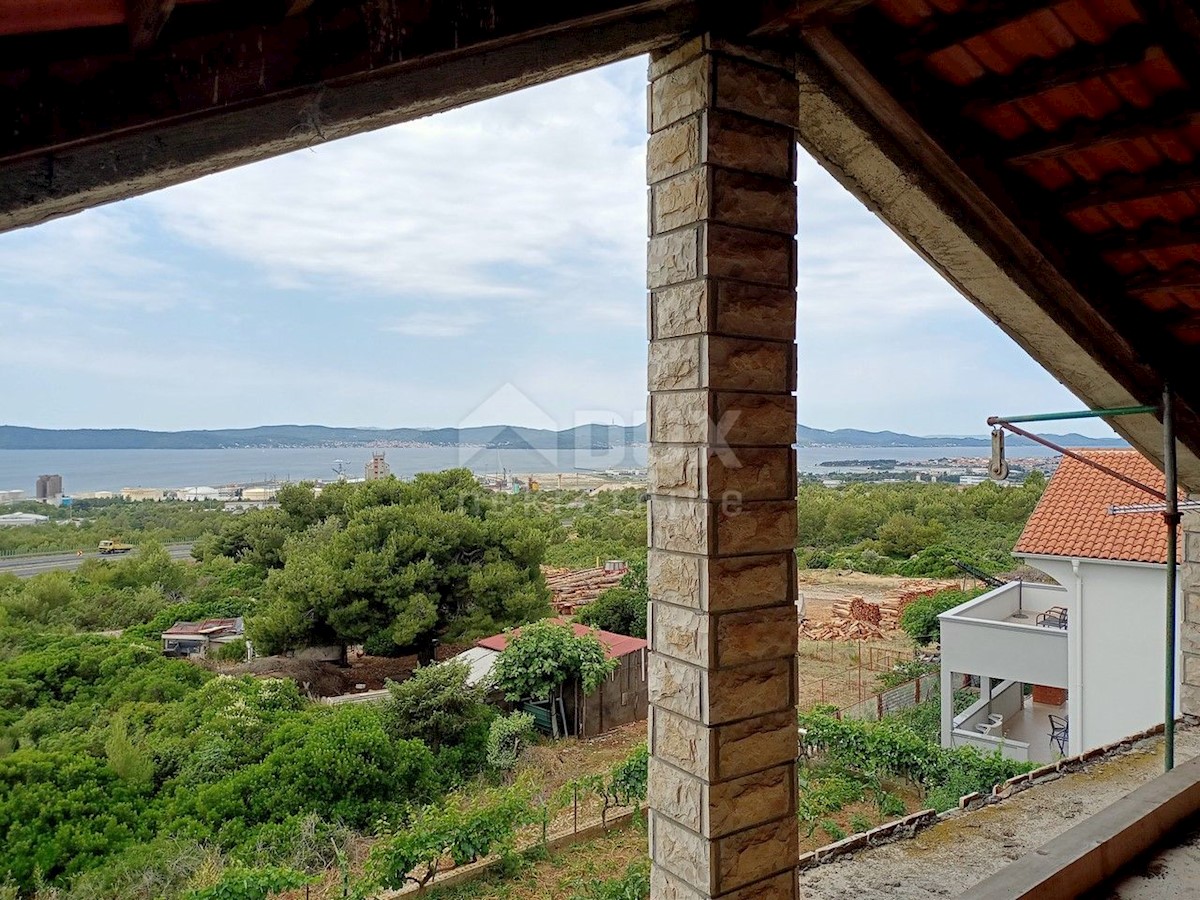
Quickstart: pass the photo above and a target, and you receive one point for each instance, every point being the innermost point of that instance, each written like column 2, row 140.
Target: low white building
column 22, row 518
column 193, row 494
column 1092, row 645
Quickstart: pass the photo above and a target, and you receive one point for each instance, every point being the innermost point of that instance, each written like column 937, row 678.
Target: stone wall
column 721, row 168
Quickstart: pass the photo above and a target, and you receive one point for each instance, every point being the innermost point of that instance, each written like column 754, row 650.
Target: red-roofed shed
column 621, row 699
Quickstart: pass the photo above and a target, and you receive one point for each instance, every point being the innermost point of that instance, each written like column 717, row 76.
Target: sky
column 485, row 265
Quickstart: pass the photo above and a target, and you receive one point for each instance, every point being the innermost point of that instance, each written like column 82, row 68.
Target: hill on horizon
column 500, row 437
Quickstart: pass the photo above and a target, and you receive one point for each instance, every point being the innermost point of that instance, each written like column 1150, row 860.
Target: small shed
column 622, row 698
column 199, row 638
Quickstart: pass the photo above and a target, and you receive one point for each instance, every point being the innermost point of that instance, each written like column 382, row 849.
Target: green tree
column 436, row 705
column 920, row 618
column 542, row 657
column 409, row 560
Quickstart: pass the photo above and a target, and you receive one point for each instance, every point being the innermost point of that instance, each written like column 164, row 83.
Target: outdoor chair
column 1054, row 617
column 1059, row 732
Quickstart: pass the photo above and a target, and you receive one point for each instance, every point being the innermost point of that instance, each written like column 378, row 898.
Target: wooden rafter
column 1171, row 111
column 1181, row 278
column 1124, row 188
column 1156, row 236
column 1083, row 61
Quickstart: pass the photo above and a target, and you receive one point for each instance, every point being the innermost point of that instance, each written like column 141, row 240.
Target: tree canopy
column 406, row 561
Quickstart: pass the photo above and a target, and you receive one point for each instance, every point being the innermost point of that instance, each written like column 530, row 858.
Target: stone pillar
column 1189, row 627
column 722, row 370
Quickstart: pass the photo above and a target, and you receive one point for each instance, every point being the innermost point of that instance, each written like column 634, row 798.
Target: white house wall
column 1123, row 643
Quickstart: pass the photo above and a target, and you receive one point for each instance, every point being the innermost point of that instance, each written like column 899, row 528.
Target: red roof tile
column 615, row 645
column 1072, row 518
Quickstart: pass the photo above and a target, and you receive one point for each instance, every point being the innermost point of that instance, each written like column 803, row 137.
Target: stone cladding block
column 723, row 696
column 674, row 470
column 752, row 201
column 665, row 886
column 673, row 150
column 671, row 258
column 727, row 751
column 755, row 420
column 736, row 142
column 730, row 639
column 716, row 810
column 732, row 308
column 683, row 92
column 722, row 585
column 746, row 255
column 763, row 93
column 750, row 473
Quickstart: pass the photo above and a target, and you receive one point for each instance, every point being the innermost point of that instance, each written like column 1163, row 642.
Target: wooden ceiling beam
column 214, row 101
column 1178, row 109
column 1082, row 62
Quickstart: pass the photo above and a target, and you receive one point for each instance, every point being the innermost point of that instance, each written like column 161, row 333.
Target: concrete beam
column 1092, row 852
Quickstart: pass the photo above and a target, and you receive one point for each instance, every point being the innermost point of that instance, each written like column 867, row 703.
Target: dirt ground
column 839, row 672
column 959, row 852
column 323, row 679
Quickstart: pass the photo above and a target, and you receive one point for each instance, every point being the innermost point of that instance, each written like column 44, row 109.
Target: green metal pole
column 1080, row 414
column 1171, row 517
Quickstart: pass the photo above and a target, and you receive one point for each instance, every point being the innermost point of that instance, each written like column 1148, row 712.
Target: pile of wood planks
column 572, row 589
column 841, row 629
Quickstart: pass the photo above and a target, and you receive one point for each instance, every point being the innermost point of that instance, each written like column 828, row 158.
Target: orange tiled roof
column 1072, row 517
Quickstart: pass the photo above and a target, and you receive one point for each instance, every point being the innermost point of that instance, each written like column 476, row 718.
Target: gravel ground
column 945, row 860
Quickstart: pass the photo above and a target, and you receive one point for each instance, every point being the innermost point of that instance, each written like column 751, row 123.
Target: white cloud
column 533, row 195
column 435, row 325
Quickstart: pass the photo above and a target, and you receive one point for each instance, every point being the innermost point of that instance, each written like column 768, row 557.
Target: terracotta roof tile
column 1072, row 518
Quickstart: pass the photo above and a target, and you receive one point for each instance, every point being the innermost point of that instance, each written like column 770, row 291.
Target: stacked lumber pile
column 839, row 629
column 854, row 619
column 572, row 589
column 891, row 608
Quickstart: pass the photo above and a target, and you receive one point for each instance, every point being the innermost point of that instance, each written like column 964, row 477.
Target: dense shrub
column 920, row 618
column 436, row 705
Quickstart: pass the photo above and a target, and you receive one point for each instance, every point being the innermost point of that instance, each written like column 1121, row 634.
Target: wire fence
column 854, row 684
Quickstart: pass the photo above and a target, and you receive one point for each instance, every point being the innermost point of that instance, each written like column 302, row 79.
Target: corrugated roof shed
column 1072, row 518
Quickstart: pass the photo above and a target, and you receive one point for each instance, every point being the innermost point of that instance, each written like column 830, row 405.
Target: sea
column 84, row 471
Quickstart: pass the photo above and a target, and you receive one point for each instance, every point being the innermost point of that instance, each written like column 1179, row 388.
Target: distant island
column 500, row 437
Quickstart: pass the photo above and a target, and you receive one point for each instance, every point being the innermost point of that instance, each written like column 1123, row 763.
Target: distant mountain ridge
column 503, row 437
column 851, row 437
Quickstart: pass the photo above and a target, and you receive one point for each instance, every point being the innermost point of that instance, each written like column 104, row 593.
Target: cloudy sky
column 483, row 265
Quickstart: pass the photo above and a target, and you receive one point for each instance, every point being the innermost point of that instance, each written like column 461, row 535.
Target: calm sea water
column 111, row 470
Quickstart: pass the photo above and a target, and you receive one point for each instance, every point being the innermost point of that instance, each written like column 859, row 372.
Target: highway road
column 28, row 566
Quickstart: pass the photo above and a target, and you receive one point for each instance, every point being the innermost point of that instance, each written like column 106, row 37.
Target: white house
column 1091, row 645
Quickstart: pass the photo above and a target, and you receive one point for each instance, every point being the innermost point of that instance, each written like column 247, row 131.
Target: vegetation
column 622, row 609
column 83, row 525
column 411, row 561
column 920, row 618
column 438, row 706
column 913, row 529
column 544, row 656
column 889, row 747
